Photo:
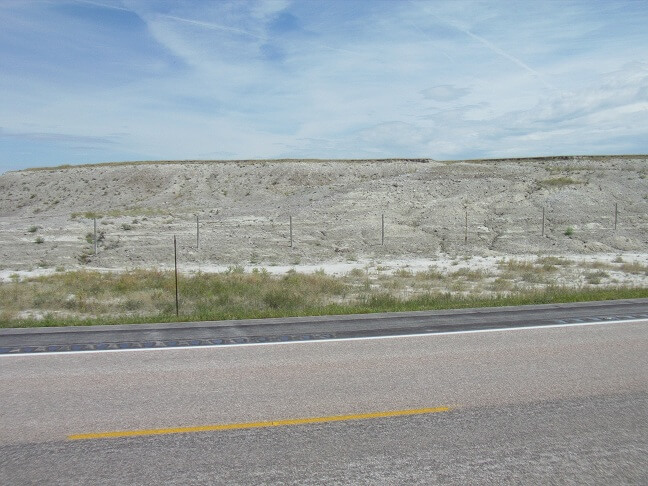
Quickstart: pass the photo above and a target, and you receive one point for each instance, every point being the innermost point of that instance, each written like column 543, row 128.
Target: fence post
column 616, row 214
column 291, row 232
column 95, row 236
column 175, row 264
column 382, row 229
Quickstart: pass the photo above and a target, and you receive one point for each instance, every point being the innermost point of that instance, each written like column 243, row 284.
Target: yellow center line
column 254, row 425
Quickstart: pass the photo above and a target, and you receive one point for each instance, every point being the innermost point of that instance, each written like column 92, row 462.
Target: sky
column 116, row 80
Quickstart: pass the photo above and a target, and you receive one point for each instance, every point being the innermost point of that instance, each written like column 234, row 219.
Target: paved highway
column 535, row 405
column 92, row 338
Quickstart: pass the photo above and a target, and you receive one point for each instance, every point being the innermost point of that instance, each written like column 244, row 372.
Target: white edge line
column 322, row 341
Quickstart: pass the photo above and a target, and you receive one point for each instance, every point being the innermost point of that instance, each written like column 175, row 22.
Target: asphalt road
column 543, row 405
column 92, row 338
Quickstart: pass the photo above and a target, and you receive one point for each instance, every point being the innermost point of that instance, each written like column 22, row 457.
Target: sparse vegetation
column 39, row 240
column 84, row 297
column 569, row 231
column 553, row 261
column 595, row 277
column 634, row 268
column 117, row 213
column 469, row 274
column 557, row 182
column 33, row 229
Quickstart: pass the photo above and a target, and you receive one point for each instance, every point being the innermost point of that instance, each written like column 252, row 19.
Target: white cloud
column 347, row 79
column 444, row 92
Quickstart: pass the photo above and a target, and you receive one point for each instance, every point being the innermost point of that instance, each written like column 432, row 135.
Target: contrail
column 494, row 48
column 426, row 35
column 99, row 4
column 212, row 26
column 505, row 54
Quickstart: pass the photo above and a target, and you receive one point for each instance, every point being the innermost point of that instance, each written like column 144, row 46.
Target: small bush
column 553, row 260
column 533, row 277
column 403, row 273
column 595, row 277
column 39, row 240
column 430, row 274
column 634, row 267
column 558, row 182
column 33, row 229
column 468, row 274
column 598, row 265
column 514, row 265
column 282, row 299
column 569, row 231
column 235, row 269
column 501, row 285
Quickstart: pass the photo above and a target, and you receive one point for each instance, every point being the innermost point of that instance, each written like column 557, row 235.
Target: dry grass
column 634, row 268
column 144, row 295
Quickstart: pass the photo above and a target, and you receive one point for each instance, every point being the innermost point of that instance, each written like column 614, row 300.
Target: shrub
column 569, row 231
column 634, row 267
column 558, row 182
column 281, row 299
column 33, row 229
column 39, row 240
column 595, row 277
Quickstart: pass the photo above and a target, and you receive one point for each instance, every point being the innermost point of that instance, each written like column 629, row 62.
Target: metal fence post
column 175, row 264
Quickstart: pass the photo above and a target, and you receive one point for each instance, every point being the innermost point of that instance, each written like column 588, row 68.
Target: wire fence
column 199, row 236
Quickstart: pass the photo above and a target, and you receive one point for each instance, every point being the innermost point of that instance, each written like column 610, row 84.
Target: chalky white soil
column 243, row 211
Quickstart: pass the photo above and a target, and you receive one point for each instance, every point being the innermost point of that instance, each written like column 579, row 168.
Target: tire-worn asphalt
column 562, row 405
column 600, row 440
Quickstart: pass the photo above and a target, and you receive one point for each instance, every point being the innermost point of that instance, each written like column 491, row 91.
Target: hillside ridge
column 591, row 204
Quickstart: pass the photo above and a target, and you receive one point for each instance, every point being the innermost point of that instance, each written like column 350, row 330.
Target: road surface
column 536, row 405
column 93, row 338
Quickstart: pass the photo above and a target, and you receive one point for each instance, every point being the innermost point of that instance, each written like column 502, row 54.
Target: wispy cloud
column 60, row 137
column 103, row 5
column 214, row 26
column 444, row 92
column 358, row 78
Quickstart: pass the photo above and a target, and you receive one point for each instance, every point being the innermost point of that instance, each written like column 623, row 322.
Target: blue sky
column 111, row 80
